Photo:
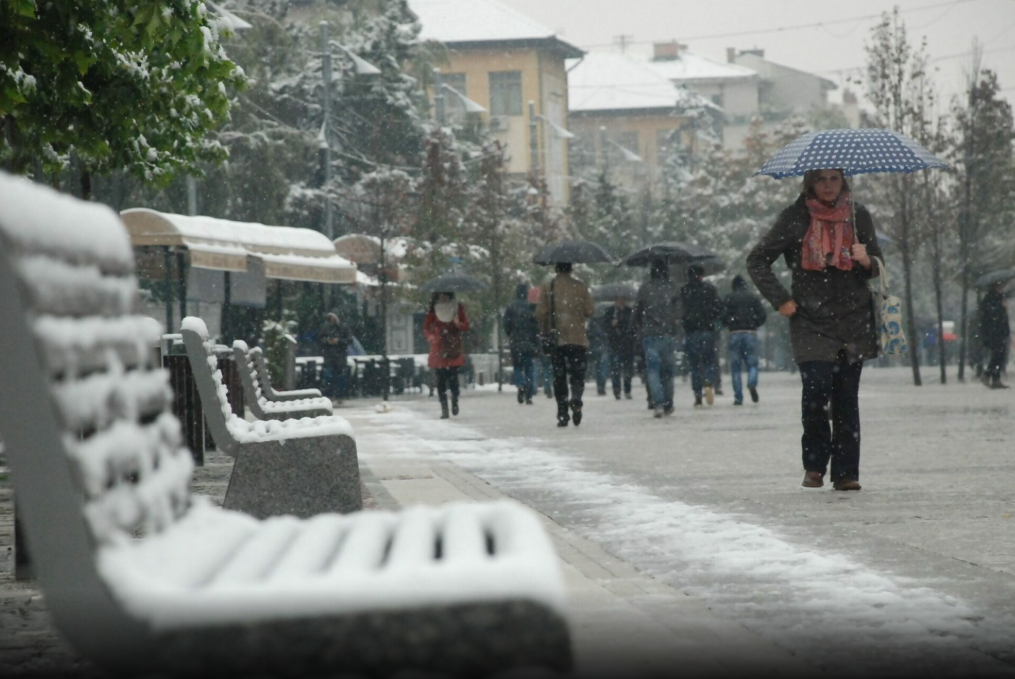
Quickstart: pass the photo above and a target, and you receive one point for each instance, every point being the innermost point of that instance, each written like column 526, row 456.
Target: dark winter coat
column 995, row 333
column 621, row 337
column 702, row 307
column 658, row 311
column 337, row 352
column 521, row 328
column 744, row 311
column 834, row 308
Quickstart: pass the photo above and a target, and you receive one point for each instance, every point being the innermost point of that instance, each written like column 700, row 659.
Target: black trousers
column 997, row 361
column 621, row 369
column 570, row 362
column 447, row 378
column 838, row 383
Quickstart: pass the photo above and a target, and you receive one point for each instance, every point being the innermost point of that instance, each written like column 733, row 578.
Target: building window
column 506, row 93
column 629, row 140
column 453, row 105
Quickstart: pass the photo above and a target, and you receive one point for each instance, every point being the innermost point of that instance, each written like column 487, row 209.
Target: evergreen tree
column 984, row 173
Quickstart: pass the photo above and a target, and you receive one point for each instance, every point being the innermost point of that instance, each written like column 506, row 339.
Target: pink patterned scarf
column 829, row 239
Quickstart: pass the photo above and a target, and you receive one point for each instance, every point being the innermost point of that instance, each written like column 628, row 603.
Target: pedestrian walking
column 564, row 306
column 523, row 334
column 599, row 355
column 702, row 311
column 744, row 315
column 444, row 326
column 620, row 340
column 543, row 372
column 830, row 246
column 657, row 317
column 995, row 334
column 333, row 338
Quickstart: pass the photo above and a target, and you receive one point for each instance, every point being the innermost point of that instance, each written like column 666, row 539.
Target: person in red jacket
column 444, row 325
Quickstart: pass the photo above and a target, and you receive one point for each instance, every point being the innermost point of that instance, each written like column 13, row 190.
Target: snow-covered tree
column 120, row 84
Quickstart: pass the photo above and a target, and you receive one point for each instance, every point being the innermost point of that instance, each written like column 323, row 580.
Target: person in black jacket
column 831, row 248
column 334, row 338
column 702, row 311
column 523, row 332
column 744, row 315
column 995, row 334
column 619, row 323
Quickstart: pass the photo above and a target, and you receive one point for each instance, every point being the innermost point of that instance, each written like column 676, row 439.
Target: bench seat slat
column 57, row 287
column 257, row 558
column 318, row 544
column 83, row 345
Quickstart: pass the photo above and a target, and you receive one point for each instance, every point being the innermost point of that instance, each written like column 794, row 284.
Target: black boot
column 444, row 408
column 454, row 404
column 562, row 416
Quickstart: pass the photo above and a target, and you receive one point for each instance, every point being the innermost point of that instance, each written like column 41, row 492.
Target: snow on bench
column 142, row 577
column 298, row 466
column 264, row 380
column 265, row 409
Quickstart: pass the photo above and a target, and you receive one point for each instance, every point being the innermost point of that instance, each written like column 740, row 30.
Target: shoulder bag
column 888, row 315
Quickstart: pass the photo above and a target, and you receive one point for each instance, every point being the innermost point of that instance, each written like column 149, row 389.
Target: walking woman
column 444, row 325
column 831, row 256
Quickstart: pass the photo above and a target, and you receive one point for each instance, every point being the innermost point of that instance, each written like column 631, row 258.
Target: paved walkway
column 623, row 621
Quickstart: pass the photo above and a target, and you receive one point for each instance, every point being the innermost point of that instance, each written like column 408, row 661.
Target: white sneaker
column 709, row 396
column 658, row 412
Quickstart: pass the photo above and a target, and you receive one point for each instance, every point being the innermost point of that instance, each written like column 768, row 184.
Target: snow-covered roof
column 477, row 21
column 609, row 81
column 289, row 253
column 690, row 66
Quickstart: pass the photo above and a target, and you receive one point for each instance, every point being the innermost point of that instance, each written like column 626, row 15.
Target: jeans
column 570, row 362
column 660, row 368
column 839, row 383
column 701, row 357
column 525, row 374
column 743, row 348
column 543, row 374
column 333, row 380
column 621, row 370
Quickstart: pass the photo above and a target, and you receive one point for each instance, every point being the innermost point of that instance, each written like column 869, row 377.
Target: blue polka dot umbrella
column 859, row 151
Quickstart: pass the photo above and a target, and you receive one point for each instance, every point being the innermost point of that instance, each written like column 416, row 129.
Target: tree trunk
column 907, row 267
column 964, row 325
column 939, row 304
column 86, row 184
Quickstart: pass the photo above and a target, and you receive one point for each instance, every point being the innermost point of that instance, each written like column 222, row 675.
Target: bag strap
column 882, row 277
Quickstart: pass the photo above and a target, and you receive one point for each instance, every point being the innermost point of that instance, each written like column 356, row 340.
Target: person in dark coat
column 830, row 246
column 523, row 332
column 995, row 334
column 703, row 310
column 620, row 339
column 334, row 338
column 443, row 327
column 744, row 315
column 657, row 319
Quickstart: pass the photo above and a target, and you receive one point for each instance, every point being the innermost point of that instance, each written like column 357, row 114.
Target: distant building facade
column 626, row 116
column 503, row 60
column 783, row 91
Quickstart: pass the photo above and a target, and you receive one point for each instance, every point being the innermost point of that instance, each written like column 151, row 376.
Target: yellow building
column 503, row 60
column 624, row 114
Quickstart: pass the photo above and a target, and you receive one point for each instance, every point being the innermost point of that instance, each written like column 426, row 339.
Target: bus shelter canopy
column 288, row 253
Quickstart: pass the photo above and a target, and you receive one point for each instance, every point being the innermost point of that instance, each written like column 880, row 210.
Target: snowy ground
column 916, row 572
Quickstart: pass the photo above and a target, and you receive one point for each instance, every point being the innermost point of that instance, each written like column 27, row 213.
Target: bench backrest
column 248, row 378
column 210, row 384
column 95, row 454
column 256, row 356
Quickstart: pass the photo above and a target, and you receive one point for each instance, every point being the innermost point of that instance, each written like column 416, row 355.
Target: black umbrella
column 453, row 282
column 613, row 292
column 573, row 252
column 671, row 253
column 994, row 277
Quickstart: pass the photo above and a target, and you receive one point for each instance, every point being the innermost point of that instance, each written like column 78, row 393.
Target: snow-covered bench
column 142, row 577
column 265, row 409
column 301, row 467
column 256, row 355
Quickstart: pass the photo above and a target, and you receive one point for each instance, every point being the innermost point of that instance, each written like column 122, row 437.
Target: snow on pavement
column 810, row 601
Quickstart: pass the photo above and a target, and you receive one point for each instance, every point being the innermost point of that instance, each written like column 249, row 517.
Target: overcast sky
column 949, row 26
